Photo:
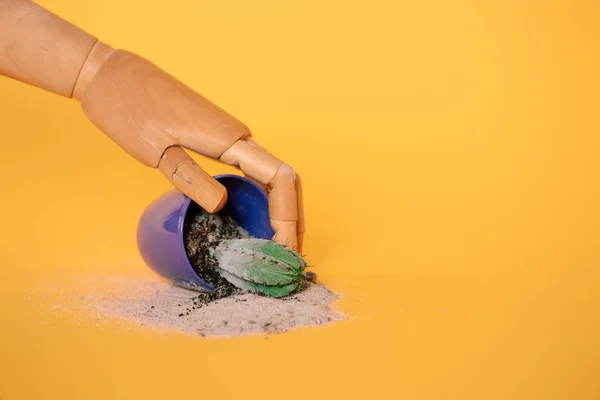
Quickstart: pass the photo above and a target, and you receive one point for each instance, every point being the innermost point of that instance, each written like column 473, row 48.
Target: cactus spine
column 260, row 266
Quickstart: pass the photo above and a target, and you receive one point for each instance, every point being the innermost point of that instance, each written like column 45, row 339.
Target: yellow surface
column 450, row 155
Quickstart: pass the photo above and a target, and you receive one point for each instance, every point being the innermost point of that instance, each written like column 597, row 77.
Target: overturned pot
column 161, row 231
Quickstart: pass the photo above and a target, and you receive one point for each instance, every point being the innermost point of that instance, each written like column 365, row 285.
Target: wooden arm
column 147, row 112
column 39, row 48
column 43, row 50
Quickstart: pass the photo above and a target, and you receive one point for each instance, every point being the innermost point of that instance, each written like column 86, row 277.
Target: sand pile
column 164, row 307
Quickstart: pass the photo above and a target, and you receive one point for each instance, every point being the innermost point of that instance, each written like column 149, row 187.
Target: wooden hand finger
column 187, row 176
column 283, row 207
column 265, row 168
column 300, row 226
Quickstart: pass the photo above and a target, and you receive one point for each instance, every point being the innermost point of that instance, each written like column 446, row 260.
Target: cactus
column 260, row 266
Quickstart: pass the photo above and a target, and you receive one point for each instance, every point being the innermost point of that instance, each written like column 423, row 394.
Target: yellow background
column 450, row 156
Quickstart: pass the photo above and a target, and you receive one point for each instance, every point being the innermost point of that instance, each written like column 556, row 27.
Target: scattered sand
column 162, row 306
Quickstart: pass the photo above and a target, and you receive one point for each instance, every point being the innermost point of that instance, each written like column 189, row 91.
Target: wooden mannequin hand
column 147, row 112
column 153, row 116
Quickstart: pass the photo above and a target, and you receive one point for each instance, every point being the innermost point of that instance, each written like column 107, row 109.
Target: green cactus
column 260, row 265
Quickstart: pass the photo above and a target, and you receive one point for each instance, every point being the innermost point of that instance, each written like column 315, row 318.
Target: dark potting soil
column 203, row 232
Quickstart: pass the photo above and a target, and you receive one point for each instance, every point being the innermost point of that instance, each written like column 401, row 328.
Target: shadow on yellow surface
column 449, row 152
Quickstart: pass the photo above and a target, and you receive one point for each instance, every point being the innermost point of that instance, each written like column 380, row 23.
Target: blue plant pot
column 160, row 232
